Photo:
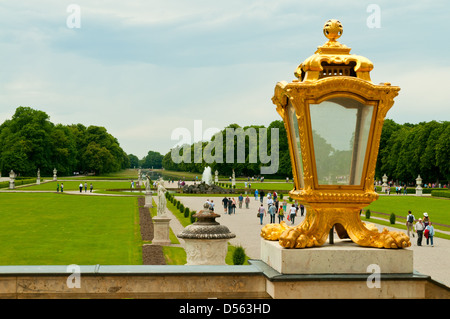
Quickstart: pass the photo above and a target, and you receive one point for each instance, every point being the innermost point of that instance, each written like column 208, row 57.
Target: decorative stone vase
column 206, row 241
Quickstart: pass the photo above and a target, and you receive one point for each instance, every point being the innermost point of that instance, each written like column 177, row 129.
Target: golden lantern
column 333, row 115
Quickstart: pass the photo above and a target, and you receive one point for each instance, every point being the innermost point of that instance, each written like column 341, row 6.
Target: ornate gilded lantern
column 333, row 114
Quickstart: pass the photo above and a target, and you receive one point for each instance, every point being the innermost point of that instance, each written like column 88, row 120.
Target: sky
column 143, row 69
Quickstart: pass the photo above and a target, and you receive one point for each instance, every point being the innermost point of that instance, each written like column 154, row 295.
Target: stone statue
column 39, row 174
column 162, row 202
column 147, row 186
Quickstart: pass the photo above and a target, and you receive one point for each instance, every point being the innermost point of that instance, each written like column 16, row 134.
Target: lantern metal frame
column 334, row 205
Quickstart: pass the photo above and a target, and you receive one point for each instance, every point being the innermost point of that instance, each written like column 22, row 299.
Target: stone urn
column 206, row 241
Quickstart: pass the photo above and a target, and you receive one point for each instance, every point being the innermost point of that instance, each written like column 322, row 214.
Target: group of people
column 91, row 187
column 422, row 227
column 275, row 209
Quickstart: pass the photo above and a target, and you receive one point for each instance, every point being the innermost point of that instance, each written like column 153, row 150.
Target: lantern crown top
column 333, row 58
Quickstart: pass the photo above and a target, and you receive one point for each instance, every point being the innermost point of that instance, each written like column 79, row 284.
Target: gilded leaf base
column 315, row 228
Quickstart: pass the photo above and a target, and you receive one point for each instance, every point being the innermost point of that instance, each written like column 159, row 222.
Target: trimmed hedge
column 441, row 193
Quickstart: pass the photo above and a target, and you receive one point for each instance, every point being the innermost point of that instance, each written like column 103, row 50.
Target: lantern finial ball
column 333, row 29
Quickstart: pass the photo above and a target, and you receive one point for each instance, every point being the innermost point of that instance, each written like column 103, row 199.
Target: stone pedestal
column 161, row 231
column 418, row 191
column 344, row 257
column 38, row 181
column 148, row 199
column 206, row 241
column 206, row 251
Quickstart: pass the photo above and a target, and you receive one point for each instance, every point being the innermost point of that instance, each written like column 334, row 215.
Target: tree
column 134, row 161
column 152, row 160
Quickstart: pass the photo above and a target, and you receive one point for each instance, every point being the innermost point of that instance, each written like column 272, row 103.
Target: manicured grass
column 268, row 186
column 74, row 185
column 62, row 229
column 438, row 209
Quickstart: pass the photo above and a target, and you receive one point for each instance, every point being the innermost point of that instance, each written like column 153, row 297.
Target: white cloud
column 143, row 68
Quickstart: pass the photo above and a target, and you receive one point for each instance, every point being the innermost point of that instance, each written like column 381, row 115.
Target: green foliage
column 406, row 150
column 151, row 160
column 239, row 256
column 187, row 212
column 392, row 219
column 441, row 193
column 193, row 219
column 367, row 213
column 181, row 208
column 30, row 141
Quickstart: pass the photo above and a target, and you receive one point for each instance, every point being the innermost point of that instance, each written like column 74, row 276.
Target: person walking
column 247, row 202
column 230, row 203
column 57, row 187
column 91, row 187
column 81, row 187
column 241, row 200
column 280, row 215
column 419, row 230
column 261, row 196
column 225, row 204
column 426, row 219
column 233, row 205
column 409, row 223
column 261, row 213
column 256, row 194
column 272, row 212
column 85, row 187
column 284, row 205
column 62, row 187
column 302, row 209
column 429, row 234
column 293, row 213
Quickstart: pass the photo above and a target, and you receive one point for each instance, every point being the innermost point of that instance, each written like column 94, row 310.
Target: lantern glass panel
column 293, row 126
column 340, row 129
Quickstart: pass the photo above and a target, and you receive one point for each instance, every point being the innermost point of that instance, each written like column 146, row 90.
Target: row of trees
column 29, row 141
column 151, row 160
column 406, row 150
column 411, row 149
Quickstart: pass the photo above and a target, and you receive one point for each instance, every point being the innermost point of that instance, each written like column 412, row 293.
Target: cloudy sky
column 142, row 69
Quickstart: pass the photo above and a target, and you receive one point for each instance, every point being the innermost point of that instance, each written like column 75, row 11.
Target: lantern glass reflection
column 340, row 128
column 293, row 123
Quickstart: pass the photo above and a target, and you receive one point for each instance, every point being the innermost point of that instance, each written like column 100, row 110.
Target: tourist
column 280, row 215
column 230, row 204
column 429, row 234
column 57, row 187
column 272, row 212
column 256, row 194
column 247, row 202
column 91, row 187
column 85, row 187
column 426, row 219
column 409, row 223
column 233, row 205
column 284, row 205
column 269, row 200
column 241, row 200
column 211, row 205
column 62, row 187
column 419, row 230
column 261, row 196
column 261, row 213
column 302, row 209
column 293, row 213
column 225, row 204
column 81, row 187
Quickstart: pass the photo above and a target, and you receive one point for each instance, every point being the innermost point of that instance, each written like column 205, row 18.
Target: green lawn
column 60, row 229
column 268, row 186
column 438, row 209
column 74, row 185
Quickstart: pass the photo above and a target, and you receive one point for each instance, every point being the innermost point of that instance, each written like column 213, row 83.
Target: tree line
column 406, row 150
column 29, row 141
